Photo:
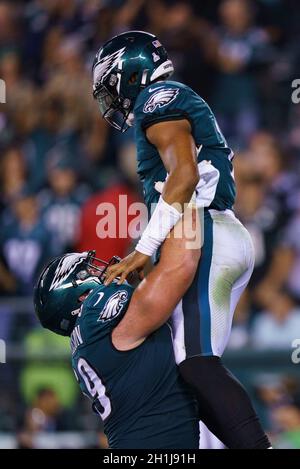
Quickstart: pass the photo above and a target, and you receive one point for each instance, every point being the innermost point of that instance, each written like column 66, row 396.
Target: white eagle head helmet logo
column 113, row 306
column 105, row 65
column 160, row 98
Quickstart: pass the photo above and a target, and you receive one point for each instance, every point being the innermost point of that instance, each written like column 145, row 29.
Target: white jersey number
column 95, row 387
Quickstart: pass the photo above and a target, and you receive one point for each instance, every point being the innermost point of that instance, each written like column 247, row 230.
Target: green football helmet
column 122, row 68
column 63, row 285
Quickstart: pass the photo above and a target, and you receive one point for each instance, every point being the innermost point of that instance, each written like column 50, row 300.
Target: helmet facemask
column 96, row 267
column 114, row 108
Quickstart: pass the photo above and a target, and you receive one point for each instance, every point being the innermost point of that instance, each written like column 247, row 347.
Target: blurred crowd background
column 59, row 160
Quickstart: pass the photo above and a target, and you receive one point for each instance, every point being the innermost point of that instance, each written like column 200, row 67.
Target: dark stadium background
column 59, row 160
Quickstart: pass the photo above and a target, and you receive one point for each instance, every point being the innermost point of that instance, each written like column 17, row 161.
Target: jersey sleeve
column 103, row 310
column 162, row 103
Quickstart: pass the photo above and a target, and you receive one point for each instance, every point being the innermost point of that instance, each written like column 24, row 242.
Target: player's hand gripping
column 135, row 261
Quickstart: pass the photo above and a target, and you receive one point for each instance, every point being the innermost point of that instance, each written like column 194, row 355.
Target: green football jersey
column 138, row 393
column 167, row 101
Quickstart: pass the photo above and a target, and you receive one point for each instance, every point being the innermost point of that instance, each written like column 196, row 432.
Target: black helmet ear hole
column 133, row 78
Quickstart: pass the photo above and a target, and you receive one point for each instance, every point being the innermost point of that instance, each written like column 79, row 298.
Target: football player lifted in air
column 179, row 142
column 122, row 353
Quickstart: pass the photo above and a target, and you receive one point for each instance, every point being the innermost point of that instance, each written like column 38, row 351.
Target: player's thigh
column 230, row 271
column 201, row 322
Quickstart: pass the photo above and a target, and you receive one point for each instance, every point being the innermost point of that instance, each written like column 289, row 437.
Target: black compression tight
column 224, row 405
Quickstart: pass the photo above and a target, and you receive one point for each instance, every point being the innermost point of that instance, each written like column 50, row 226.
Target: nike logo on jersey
column 160, row 98
column 155, row 89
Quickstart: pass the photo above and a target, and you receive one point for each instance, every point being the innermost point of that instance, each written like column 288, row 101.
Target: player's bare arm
column 177, row 149
column 157, row 295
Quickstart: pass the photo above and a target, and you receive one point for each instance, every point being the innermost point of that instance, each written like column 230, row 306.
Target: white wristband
column 163, row 219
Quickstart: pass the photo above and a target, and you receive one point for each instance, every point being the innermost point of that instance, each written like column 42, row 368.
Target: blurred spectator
column 95, row 144
column 278, row 326
column 189, row 40
column 272, row 391
column 285, row 267
column 287, row 417
column 45, row 415
column 102, row 440
column 243, row 49
column 9, row 27
column 61, row 203
column 69, row 83
column 7, row 284
column 13, row 174
column 25, row 242
column 266, row 196
column 48, row 135
column 20, row 95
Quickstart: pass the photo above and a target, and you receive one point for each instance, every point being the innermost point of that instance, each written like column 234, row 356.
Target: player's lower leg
column 224, row 405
